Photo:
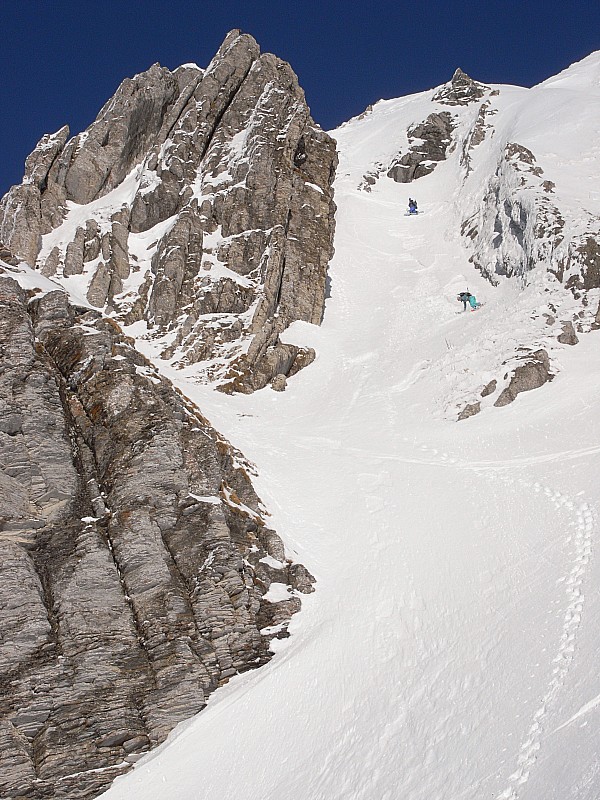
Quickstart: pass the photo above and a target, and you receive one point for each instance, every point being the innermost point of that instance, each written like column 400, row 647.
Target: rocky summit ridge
column 198, row 204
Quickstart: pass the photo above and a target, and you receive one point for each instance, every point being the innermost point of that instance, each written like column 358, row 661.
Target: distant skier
column 465, row 297
column 412, row 206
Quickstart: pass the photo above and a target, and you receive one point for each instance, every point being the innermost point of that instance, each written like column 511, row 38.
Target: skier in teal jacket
column 464, row 298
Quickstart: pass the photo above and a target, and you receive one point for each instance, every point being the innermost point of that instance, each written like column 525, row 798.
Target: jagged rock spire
column 230, row 163
column 461, row 90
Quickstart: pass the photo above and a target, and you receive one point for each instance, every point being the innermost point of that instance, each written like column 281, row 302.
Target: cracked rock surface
column 134, row 553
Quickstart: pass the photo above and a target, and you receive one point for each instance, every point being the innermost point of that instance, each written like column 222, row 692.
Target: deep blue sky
column 62, row 59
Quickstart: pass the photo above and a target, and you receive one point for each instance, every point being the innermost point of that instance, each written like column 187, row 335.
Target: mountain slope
column 450, row 650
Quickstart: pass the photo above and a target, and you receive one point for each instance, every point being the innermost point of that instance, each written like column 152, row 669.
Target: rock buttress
column 135, row 554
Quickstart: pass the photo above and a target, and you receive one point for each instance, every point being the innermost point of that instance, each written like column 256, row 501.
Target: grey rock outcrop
column 135, row 554
column 588, row 256
column 489, row 388
column 469, row 411
column 568, row 335
column 531, row 374
column 278, row 383
column 39, row 163
column 428, row 144
column 596, row 323
column 20, row 224
column 95, row 162
column 217, row 184
column 461, row 90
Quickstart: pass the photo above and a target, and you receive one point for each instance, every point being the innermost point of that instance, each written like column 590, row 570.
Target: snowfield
column 451, row 649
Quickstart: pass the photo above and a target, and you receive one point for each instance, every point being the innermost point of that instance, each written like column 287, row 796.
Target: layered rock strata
column 199, row 202
column 135, row 556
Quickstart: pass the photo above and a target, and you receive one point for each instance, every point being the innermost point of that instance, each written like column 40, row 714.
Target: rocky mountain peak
column 430, row 141
column 204, row 209
column 461, row 90
column 461, row 78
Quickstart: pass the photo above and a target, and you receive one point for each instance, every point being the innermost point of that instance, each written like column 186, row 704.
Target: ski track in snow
column 584, row 520
column 584, row 523
column 579, row 534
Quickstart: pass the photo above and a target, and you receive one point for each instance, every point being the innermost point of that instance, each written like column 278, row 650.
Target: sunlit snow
column 450, row 651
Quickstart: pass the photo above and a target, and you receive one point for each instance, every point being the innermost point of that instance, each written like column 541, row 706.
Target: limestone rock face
column 20, row 223
column 135, row 554
column 210, row 212
column 39, row 163
column 95, row 162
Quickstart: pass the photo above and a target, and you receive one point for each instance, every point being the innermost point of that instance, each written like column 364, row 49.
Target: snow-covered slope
column 450, row 650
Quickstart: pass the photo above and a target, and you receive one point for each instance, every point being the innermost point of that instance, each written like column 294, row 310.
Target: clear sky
column 62, row 59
